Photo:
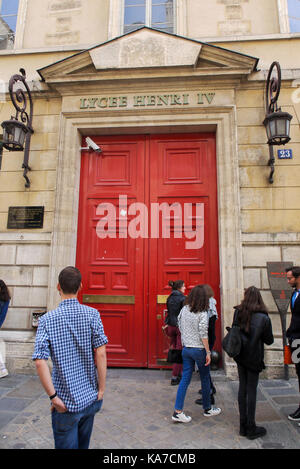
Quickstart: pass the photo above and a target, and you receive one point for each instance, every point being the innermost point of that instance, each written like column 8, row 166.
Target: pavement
column 137, row 410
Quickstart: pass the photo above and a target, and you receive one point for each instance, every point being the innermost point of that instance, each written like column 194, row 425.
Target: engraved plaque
column 25, row 217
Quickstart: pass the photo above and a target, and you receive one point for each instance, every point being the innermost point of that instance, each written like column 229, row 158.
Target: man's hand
column 58, row 405
column 100, row 395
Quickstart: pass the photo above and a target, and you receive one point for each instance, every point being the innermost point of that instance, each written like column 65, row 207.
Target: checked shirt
column 68, row 335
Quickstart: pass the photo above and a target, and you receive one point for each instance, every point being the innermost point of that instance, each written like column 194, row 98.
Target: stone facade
column 258, row 221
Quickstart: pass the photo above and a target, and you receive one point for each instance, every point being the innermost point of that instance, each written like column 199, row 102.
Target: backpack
column 232, row 342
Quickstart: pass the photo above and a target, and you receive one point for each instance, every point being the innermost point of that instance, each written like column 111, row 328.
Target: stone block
column 7, row 253
column 47, row 124
column 40, row 198
column 291, row 253
column 40, row 276
column 270, row 221
column 268, row 300
column 30, row 297
column 16, row 275
column 270, row 198
column 39, row 160
column 252, row 277
column 33, row 254
column 258, row 177
column 258, row 256
column 40, row 180
column 17, row 318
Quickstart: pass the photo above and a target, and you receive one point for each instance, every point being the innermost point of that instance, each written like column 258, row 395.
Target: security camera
column 92, row 145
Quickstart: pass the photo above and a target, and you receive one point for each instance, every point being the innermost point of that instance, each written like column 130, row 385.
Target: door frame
column 220, row 119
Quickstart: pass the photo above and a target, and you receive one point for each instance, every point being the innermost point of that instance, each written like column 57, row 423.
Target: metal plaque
column 25, row 217
column 109, row 299
column 280, row 289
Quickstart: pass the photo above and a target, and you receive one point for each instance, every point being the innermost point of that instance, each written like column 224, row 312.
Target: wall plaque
column 282, row 293
column 25, row 217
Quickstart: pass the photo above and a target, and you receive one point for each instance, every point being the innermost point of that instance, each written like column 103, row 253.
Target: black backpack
column 232, row 342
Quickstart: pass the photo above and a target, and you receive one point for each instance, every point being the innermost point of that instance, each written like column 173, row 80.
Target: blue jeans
column 190, row 356
column 72, row 430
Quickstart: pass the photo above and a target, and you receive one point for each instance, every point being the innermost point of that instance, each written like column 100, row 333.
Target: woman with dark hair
column 256, row 328
column 193, row 325
column 212, row 317
column 4, row 302
column 174, row 304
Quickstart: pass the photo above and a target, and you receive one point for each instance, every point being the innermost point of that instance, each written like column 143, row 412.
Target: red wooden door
column 182, row 175
column 126, row 260
column 113, row 267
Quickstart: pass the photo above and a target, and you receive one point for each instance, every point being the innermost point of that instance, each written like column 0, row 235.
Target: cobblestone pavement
column 137, row 409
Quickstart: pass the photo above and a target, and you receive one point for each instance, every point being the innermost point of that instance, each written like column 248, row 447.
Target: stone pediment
column 150, row 49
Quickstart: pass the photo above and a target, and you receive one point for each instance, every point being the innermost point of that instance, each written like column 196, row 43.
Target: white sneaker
column 212, row 412
column 3, row 373
column 181, row 417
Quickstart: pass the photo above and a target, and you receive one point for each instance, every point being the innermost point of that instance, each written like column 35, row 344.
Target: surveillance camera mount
column 97, row 149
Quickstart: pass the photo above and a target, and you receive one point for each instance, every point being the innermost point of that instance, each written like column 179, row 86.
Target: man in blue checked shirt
column 72, row 336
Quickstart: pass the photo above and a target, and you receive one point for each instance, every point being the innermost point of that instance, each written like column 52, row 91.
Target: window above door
column 294, row 15
column 8, row 23
column 156, row 14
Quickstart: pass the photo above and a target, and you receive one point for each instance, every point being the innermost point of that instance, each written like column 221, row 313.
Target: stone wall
column 24, row 254
column 269, row 212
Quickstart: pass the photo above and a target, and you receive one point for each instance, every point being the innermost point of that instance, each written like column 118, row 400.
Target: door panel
column 113, row 266
column 126, row 274
column 182, row 174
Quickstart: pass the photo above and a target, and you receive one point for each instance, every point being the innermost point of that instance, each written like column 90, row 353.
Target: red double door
column 147, row 214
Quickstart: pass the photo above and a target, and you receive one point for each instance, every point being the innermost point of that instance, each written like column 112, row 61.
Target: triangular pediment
column 150, row 49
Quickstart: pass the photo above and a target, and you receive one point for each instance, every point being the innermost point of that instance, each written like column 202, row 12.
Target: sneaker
column 295, row 416
column 181, row 417
column 3, row 373
column 212, row 412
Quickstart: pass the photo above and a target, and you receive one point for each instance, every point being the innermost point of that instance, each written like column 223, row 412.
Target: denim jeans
column 190, row 356
column 72, row 430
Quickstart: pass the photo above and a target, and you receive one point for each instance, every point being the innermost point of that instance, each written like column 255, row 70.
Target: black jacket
column 174, row 304
column 293, row 331
column 260, row 333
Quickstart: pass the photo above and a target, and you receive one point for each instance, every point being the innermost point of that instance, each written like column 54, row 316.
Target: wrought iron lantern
column 17, row 133
column 277, row 122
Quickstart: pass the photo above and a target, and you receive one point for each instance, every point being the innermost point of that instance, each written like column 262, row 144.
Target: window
column 294, row 15
column 8, row 22
column 157, row 14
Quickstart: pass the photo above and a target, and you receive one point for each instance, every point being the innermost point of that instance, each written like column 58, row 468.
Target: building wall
column 269, row 214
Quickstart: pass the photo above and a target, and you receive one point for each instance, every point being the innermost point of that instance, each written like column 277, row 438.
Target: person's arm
column 100, row 359
column 203, row 330
column 268, row 337
column 208, row 353
column 46, row 381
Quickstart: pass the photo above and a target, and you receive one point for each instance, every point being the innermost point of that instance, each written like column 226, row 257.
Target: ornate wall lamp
column 277, row 122
column 17, row 133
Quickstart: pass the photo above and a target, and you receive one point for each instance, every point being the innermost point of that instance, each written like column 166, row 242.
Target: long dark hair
column 209, row 290
column 198, row 299
column 4, row 292
column 251, row 303
column 176, row 284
